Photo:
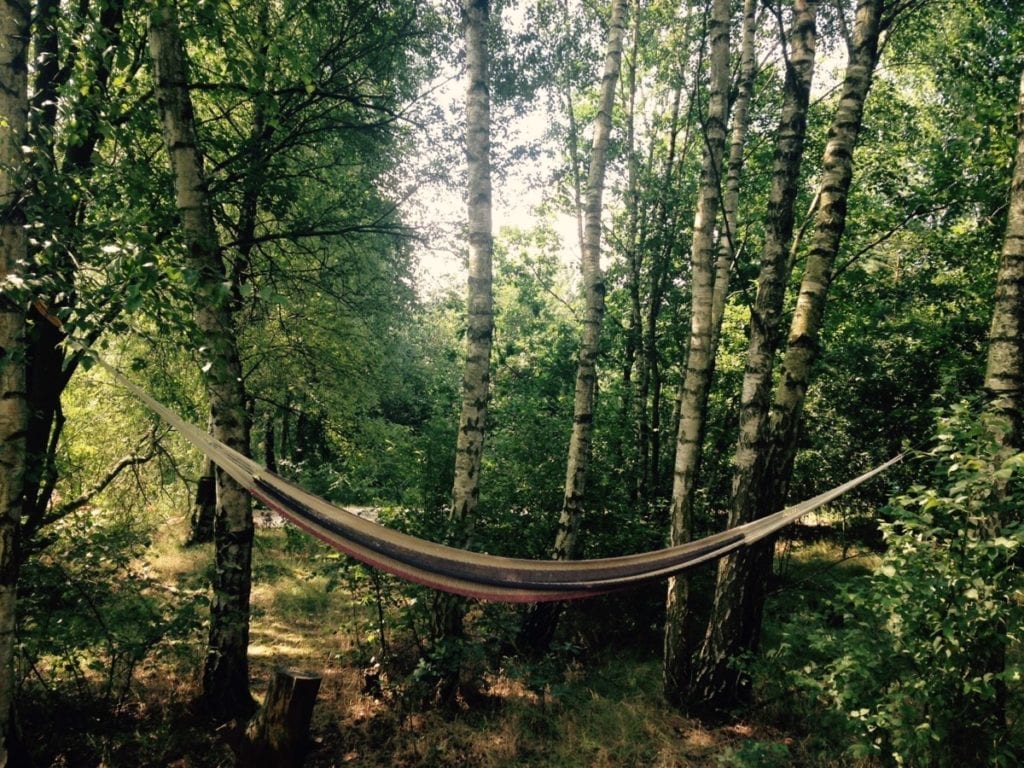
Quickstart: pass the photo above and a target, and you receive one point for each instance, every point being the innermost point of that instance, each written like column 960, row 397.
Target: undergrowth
column 595, row 700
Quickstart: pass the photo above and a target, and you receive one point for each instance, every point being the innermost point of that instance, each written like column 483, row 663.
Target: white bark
column 476, row 374
column 1004, row 373
column 14, row 35
column 226, row 675
column 696, row 381
column 593, row 284
column 714, row 683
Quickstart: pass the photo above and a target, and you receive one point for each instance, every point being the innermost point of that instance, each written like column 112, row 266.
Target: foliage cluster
column 919, row 660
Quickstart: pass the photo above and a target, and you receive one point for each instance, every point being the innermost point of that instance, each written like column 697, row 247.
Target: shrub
column 924, row 674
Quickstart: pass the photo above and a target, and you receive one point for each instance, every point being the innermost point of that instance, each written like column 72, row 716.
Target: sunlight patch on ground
column 276, row 650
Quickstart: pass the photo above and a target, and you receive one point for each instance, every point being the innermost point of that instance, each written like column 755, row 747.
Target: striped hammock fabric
column 473, row 574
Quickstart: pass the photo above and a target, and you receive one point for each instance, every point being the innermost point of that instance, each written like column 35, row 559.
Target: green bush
column 926, row 673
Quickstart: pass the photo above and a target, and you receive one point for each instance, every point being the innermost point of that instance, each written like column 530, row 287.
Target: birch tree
column 14, row 35
column 728, row 238
column 594, row 289
column 540, row 623
column 225, row 674
column 480, row 302
column 697, row 379
column 734, row 626
column 1004, row 371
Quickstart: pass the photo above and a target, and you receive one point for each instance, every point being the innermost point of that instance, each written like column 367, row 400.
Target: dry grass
column 606, row 714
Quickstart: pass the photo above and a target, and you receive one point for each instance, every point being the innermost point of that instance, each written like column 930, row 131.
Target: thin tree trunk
column 802, row 347
column 14, row 36
column 649, row 419
column 736, row 621
column 728, row 239
column 698, row 361
column 634, row 258
column 593, row 284
column 226, row 673
column 270, row 444
column 540, row 623
column 476, row 374
column 48, row 366
column 766, row 313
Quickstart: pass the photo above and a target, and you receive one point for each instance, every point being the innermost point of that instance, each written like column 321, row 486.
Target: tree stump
column 277, row 735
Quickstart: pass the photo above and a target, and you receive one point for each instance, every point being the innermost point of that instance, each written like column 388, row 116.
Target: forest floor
column 595, row 707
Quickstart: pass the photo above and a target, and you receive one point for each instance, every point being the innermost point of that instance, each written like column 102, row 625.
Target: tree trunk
column 593, row 284
column 634, row 260
column 270, row 444
column 278, row 734
column 540, row 623
column 728, row 239
column 650, row 381
column 1004, row 372
column 226, row 673
column 829, row 223
column 476, row 373
column 735, row 624
column 14, row 32
column 696, row 380
column 49, row 367
column 1004, row 390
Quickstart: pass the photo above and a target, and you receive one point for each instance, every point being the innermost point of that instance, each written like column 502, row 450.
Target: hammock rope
column 473, row 574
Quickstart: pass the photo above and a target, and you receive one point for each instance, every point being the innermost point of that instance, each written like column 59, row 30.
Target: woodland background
column 229, row 202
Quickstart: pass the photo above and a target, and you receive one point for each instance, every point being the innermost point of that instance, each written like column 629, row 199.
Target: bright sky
column 517, row 193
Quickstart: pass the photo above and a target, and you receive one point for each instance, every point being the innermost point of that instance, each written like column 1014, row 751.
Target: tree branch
column 133, row 460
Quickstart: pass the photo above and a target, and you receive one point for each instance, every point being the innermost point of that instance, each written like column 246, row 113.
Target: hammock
column 473, row 574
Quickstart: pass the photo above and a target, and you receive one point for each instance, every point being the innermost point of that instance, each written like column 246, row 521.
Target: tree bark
column 740, row 592
column 476, row 373
column 541, row 621
column 1004, row 390
column 594, row 288
column 634, row 260
column 278, row 734
column 1004, row 372
column 697, row 378
column 14, row 36
column 48, row 366
column 728, row 238
column 802, row 346
column 226, row 674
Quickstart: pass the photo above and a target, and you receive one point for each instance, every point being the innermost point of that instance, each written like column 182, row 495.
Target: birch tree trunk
column 540, row 623
column 476, row 373
column 14, row 37
column 593, row 284
column 735, row 623
column 1004, row 390
column 728, row 238
column 226, row 674
column 709, row 682
column 802, row 347
column 1004, row 372
column 696, row 380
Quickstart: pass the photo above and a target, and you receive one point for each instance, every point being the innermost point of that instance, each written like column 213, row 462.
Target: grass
column 310, row 611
